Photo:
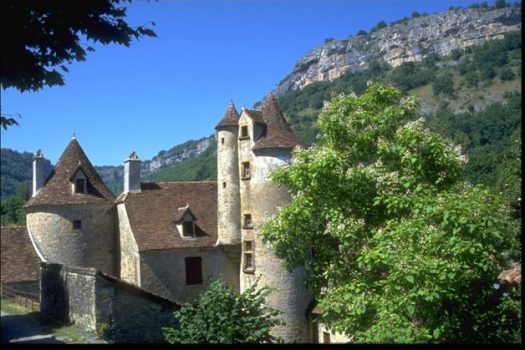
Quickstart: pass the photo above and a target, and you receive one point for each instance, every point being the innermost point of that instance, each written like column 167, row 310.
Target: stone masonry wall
column 90, row 298
column 94, row 245
column 129, row 251
column 163, row 272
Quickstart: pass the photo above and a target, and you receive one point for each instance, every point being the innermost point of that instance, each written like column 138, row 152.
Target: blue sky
column 163, row 91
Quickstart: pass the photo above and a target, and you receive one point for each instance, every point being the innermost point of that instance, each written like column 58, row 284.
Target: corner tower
column 71, row 220
column 265, row 144
column 228, row 209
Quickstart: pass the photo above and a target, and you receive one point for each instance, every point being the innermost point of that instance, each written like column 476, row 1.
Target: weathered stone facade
column 261, row 199
column 93, row 245
column 163, row 272
column 90, row 298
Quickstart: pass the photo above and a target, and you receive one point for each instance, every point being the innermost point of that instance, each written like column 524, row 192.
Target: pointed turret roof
column 231, row 118
column 58, row 188
column 278, row 133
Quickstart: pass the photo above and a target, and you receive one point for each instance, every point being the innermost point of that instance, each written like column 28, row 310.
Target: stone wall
column 94, row 245
column 163, row 272
column 129, row 251
column 90, row 298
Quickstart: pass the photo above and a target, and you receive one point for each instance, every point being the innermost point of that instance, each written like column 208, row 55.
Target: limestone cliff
column 410, row 40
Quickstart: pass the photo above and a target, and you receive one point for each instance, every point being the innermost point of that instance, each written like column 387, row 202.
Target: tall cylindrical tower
column 228, row 209
column 267, row 147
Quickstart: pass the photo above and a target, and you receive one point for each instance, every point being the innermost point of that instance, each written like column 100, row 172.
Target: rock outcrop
column 410, row 40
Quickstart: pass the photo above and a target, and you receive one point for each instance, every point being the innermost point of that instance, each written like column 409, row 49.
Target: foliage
column 484, row 136
column 378, row 26
column 12, row 211
column 361, row 32
column 396, row 247
column 443, row 84
column 223, row 316
column 39, row 37
column 509, row 177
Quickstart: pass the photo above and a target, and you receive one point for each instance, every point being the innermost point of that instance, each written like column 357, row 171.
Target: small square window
column 246, row 171
column 77, row 224
column 244, row 132
column 247, row 221
column 224, row 185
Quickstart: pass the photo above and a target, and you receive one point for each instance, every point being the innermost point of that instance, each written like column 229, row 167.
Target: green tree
column 443, row 84
column 223, row 316
column 395, row 246
column 39, row 37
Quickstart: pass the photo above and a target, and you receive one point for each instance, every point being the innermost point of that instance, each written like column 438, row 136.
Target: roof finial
column 133, row 156
column 74, row 136
column 39, row 154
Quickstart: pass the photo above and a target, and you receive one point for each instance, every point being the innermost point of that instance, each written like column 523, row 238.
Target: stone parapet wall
column 90, row 298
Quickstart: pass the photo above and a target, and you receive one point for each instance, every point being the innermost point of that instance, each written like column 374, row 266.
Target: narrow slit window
column 193, row 270
column 222, row 140
column 246, row 170
column 244, row 131
column 249, row 265
column 224, row 185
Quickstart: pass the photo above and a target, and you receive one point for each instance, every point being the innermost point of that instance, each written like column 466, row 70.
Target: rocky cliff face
column 113, row 176
column 412, row 40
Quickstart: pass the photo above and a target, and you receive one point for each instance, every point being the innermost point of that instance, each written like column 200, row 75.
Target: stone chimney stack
column 132, row 173
column 38, row 172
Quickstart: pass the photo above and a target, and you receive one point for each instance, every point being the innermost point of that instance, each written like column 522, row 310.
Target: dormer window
column 79, row 181
column 244, row 132
column 188, row 228
column 185, row 221
column 80, row 185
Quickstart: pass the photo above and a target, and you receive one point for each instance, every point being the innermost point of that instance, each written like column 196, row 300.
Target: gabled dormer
column 79, row 181
column 185, row 221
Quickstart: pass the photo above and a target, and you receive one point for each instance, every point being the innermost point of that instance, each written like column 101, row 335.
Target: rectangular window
column 246, row 171
column 249, row 265
column 193, row 270
column 77, row 224
column 79, row 185
column 244, row 132
column 248, row 221
column 326, row 338
column 188, row 228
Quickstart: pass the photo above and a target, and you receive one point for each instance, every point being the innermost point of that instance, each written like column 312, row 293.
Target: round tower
column 72, row 218
column 269, row 147
column 228, row 210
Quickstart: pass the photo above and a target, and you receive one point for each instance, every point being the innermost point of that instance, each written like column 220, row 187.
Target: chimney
column 38, row 172
column 132, row 173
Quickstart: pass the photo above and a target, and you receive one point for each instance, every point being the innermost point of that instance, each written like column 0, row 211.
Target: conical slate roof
column 58, row 188
column 278, row 133
column 231, row 118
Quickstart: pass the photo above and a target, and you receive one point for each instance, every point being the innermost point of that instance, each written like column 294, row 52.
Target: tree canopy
column 397, row 248
column 220, row 315
column 39, row 37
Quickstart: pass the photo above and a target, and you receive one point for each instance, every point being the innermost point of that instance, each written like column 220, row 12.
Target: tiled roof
column 152, row 213
column 58, row 186
column 20, row 262
column 231, row 118
column 256, row 116
column 278, row 133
